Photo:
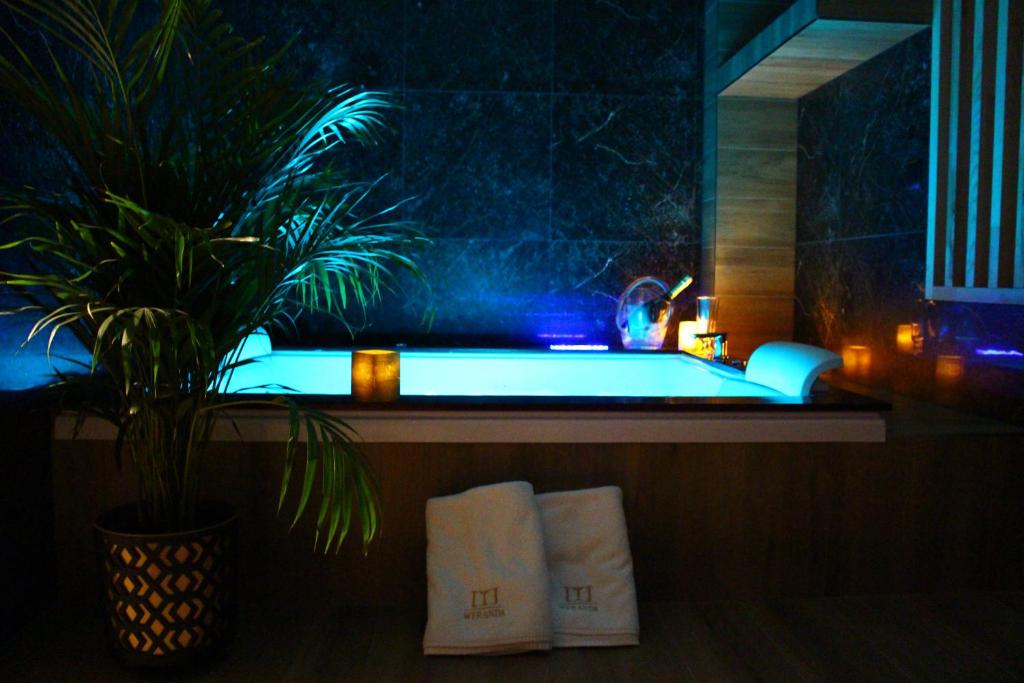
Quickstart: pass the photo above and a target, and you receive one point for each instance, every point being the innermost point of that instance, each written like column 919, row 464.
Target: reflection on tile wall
column 549, row 146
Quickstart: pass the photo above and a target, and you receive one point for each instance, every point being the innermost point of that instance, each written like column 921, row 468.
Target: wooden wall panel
column 755, row 220
column 821, row 52
column 711, row 521
column 758, row 222
column 976, row 203
column 26, row 508
column 761, row 271
column 750, row 123
column 755, row 173
column 754, row 319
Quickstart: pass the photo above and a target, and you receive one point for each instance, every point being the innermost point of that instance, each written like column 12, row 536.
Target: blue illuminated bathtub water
column 506, row 373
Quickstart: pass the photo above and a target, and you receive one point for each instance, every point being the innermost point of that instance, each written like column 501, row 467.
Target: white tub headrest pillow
column 790, row 368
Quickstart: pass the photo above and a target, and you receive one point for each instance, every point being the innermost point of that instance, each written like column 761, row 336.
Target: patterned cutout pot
column 170, row 598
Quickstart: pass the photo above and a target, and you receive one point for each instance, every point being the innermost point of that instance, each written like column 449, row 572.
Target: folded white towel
column 487, row 580
column 593, row 597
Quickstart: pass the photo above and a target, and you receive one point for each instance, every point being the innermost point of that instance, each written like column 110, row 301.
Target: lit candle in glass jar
column 949, row 369
column 376, row 375
column 905, row 337
column 856, row 360
column 688, row 330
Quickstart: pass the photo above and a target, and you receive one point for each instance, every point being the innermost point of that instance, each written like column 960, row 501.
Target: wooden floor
column 976, row 637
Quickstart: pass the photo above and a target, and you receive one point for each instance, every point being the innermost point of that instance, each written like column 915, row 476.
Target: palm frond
column 201, row 204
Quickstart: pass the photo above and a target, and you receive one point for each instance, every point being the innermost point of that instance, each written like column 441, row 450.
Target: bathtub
column 777, row 371
column 505, row 396
column 494, row 373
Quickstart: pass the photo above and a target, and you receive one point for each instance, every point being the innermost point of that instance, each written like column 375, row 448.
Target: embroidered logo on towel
column 579, row 598
column 484, row 605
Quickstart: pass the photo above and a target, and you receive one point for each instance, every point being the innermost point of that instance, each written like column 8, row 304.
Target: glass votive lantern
column 906, row 337
column 688, row 331
column 376, row 375
column 857, row 360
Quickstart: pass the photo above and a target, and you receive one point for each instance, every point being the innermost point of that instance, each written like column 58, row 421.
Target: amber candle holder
column 857, row 360
column 376, row 375
column 688, row 330
column 906, row 336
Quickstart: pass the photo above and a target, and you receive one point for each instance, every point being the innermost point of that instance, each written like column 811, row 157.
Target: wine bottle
column 658, row 309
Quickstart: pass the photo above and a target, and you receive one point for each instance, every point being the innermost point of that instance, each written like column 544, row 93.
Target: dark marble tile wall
column 549, row 147
column 862, row 198
column 27, row 158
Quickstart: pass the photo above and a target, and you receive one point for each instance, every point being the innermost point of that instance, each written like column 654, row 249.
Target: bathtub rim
column 827, row 399
column 834, row 415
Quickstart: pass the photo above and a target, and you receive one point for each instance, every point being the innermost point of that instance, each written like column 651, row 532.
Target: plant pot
column 170, row 598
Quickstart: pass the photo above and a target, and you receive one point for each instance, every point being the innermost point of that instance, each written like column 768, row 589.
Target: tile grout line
column 405, row 108
column 552, row 91
column 858, row 238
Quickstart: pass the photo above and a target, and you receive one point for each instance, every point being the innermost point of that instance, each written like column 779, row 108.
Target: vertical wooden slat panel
column 989, row 17
column 938, row 140
column 1018, row 246
column 1010, row 115
column 953, row 147
column 976, row 193
column 998, row 141
column 974, row 179
column 963, row 140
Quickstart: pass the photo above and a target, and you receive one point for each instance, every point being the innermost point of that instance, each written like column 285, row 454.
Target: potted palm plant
column 201, row 203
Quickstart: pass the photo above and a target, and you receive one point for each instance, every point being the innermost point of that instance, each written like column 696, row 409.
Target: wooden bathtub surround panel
column 713, row 521
column 976, row 193
column 575, row 427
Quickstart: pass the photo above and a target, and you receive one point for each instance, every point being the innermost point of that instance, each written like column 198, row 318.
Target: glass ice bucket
column 643, row 313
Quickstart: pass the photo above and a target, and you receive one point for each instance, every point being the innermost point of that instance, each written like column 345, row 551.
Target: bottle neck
column 680, row 287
